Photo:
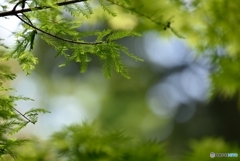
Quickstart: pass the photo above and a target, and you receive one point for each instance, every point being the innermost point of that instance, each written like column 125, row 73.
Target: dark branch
column 14, row 11
column 60, row 38
column 23, row 115
column 47, row 33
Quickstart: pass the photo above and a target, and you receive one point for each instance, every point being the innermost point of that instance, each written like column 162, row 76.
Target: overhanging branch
column 60, row 38
column 14, row 12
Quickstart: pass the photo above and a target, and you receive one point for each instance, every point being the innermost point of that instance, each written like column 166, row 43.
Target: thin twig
column 13, row 12
column 135, row 11
column 23, row 115
column 47, row 33
column 60, row 38
column 30, row 22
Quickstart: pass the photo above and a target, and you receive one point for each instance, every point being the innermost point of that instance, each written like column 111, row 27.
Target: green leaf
column 107, row 65
column 36, row 110
column 84, row 64
column 106, row 9
column 121, row 34
column 102, row 34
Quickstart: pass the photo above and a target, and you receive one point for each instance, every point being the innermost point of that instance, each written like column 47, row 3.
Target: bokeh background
column 168, row 98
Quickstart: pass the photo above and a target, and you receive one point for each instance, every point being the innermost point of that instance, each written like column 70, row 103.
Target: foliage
column 228, row 69
column 87, row 143
column 63, row 38
column 211, row 31
column 12, row 120
column 200, row 150
column 58, row 23
column 105, row 46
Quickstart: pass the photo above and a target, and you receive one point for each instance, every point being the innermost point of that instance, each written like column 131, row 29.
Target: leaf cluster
column 62, row 33
column 87, row 142
column 58, row 25
column 200, row 150
column 48, row 21
column 12, row 120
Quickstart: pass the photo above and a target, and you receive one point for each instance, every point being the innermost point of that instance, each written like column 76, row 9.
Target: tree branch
column 60, row 38
column 23, row 115
column 13, row 12
column 16, row 12
column 136, row 12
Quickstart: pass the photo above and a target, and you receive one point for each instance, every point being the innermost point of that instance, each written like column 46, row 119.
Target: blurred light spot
column 158, row 130
column 26, row 86
column 194, row 82
column 65, row 110
column 7, row 26
column 177, row 89
column 163, row 99
column 166, row 52
column 184, row 113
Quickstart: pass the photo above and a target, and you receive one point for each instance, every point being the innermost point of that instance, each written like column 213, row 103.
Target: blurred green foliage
column 88, row 142
column 209, row 26
column 200, row 150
